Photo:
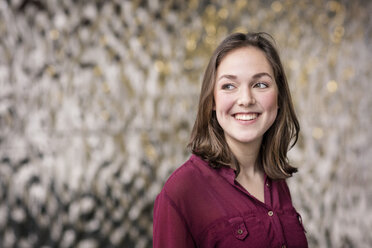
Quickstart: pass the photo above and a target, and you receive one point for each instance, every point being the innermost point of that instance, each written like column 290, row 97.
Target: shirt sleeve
column 169, row 227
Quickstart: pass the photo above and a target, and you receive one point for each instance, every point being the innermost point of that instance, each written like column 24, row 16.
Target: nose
column 246, row 98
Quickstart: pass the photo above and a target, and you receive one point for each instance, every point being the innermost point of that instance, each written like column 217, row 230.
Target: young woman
column 232, row 191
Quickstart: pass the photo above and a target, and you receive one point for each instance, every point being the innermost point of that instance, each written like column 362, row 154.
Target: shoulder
column 281, row 189
column 188, row 173
column 187, row 178
column 281, row 185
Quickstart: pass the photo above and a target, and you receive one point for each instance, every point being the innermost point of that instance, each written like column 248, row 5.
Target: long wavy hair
column 207, row 137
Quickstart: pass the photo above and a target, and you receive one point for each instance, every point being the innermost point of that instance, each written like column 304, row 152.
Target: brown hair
column 207, row 137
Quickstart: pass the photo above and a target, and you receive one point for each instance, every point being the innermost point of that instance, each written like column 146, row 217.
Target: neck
column 246, row 154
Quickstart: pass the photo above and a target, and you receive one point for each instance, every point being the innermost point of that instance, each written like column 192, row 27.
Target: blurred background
column 98, row 98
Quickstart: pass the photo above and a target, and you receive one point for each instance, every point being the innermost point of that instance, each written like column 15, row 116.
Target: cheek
column 270, row 101
column 223, row 102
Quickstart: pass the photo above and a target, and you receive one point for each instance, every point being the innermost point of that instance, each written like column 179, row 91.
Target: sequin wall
column 97, row 100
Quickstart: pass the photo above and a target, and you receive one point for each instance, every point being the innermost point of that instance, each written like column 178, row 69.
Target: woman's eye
column 261, row 85
column 227, row 87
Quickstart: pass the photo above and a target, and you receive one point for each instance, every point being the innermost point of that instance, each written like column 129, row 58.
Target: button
column 267, row 185
column 240, row 231
column 300, row 219
column 270, row 213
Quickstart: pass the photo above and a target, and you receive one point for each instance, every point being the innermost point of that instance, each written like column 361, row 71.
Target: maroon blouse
column 204, row 207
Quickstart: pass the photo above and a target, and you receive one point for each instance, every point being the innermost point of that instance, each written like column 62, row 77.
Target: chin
column 248, row 140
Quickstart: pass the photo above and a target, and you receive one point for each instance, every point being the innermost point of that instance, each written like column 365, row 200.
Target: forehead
column 248, row 59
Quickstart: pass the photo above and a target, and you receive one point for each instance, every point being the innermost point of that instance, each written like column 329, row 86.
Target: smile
column 246, row 117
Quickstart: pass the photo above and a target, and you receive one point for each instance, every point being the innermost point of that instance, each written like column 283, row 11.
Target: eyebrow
column 255, row 76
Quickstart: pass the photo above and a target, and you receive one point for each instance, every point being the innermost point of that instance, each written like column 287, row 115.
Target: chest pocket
column 239, row 230
column 247, row 231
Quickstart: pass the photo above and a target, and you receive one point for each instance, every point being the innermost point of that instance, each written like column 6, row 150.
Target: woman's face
column 246, row 96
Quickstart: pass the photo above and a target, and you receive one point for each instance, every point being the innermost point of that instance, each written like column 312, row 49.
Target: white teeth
column 246, row 117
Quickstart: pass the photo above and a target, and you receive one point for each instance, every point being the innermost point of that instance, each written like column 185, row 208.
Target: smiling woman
column 245, row 97
column 232, row 191
column 246, row 106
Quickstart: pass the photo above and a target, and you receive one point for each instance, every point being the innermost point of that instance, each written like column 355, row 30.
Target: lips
column 246, row 116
